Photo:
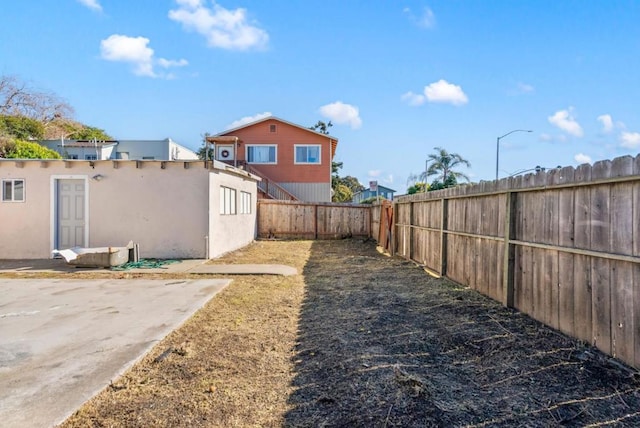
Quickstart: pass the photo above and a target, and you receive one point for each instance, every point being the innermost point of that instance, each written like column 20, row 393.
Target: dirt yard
column 365, row 340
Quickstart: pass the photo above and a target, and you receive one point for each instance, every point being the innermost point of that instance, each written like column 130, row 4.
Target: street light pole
column 498, row 146
column 426, row 174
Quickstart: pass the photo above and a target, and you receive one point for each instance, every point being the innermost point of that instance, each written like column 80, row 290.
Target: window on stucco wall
column 227, row 201
column 245, row 203
column 13, row 190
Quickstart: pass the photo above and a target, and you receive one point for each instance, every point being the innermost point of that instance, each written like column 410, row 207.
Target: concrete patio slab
column 59, row 265
column 63, row 340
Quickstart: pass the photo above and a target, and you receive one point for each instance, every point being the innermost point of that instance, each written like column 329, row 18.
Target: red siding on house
column 286, row 137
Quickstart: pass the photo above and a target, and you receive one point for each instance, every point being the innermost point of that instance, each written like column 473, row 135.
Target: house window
column 12, row 190
column 227, row 201
column 245, row 203
column 148, row 157
column 306, row 154
column 72, row 157
column 261, row 154
column 90, row 157
column 273, row 128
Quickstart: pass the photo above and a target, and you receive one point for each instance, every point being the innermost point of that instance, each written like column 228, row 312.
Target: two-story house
column 294, row 162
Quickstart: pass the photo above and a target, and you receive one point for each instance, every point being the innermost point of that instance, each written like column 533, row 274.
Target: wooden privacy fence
column 562, row 246
column 310, row 220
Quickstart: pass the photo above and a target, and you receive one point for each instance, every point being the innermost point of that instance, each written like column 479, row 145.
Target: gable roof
column 380, row 186
column 332, row 140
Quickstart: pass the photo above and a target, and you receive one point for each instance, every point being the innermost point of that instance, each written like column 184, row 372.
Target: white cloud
column 545, row 137
column 248, row 119
column 445, row 92
column 564, row 120
column 607, row 122
column 374, row 173
column 135, row 50
column 342, row 114
column 525, row 88
column 582, row 158
column 223, row 28
column 167, row 63
column 414, row 99
column 426, row 19
column 91, row 4
column 129, row 49
column 630, row 140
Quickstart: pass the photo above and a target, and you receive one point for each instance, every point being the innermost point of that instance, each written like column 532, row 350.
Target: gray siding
column 309, row 192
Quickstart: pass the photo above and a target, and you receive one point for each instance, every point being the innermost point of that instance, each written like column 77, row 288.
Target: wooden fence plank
column 566, row 226
column 600, row 269
column 622, row 316
column 582, row 315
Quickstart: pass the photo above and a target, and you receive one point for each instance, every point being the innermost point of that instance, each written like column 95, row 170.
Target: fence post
column 410, row 240
column 444, row 214
column 509, row 250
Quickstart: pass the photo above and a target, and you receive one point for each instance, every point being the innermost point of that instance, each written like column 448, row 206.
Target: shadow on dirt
column 381, row 343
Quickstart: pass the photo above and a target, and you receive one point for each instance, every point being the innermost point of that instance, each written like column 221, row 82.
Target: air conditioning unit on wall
column 224, row 153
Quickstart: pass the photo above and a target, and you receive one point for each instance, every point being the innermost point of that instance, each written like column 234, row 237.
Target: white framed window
column 13, row 190
column 262, row 153
column 307, row 154
column 90, row 157
column 227, row 201
column 245, row 203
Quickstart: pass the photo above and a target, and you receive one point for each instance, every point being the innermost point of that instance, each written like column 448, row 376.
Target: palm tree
column 442, row 164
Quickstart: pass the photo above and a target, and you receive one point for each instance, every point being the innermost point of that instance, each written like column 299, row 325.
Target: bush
column 373, row 199
column 21, row 127
column 18, row 149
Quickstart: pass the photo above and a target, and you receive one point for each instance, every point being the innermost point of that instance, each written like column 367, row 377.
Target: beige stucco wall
column 163, row 206
column 25, row 226
column 230, row 232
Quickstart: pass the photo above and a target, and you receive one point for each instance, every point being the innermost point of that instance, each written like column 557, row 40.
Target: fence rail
column 309, row 220
column 562, row 246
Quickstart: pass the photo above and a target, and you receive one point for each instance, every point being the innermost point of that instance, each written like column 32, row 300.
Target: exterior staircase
column 269, row 188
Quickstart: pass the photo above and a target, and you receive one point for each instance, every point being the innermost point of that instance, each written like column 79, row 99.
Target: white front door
column 70, row 213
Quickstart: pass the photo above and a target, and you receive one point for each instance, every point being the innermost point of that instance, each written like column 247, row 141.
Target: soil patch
column 362, row 339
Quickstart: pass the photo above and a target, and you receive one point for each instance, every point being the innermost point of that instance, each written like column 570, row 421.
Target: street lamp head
column 498, row 146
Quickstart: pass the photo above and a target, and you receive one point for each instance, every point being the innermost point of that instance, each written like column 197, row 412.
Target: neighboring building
column 172, row 209
column 294, row 162
column 166, row 149
column 382, row 191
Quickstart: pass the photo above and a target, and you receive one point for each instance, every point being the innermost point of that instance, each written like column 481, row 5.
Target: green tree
column 439, row 185
column 442, row 164
column 417, row 187
column 21, row 127
column 343, row 187
column 18, row 149
column 342, row 193
column 322, row 127
column 90, row 133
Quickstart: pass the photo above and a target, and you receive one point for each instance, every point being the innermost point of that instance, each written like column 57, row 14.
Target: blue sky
column 396, row 78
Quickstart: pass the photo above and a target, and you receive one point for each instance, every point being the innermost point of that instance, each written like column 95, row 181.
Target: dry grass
column 360, row 339
column 229, row 365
